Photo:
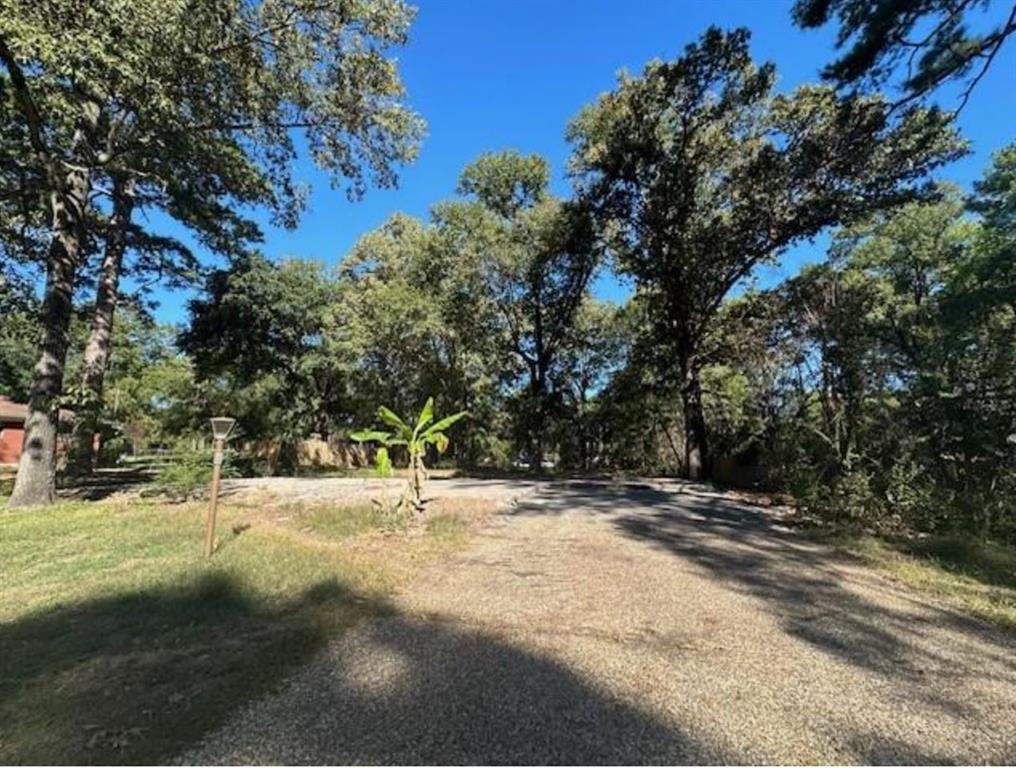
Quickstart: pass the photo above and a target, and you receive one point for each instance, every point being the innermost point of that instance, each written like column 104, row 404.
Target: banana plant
column 416, row 439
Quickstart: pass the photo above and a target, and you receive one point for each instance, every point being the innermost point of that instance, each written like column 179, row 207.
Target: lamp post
column 221, row 427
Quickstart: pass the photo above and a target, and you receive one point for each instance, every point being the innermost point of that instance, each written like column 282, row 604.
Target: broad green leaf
column 389, row 417
column 446, row 422
column 383, row 463
column 426, row 415
column 370, row 435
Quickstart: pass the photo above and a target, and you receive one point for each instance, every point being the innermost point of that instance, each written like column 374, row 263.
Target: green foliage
column 539, row 255
column 595, row 350
column 426, row 431
column 383, row 463
column 727, row 401
column 262, row 345
column 188, row 472
column 641, row 421
column 149, row 396
column 391, row 514
column 192, row 108
column 180, row 91
column 476, row 309
column 416, row 439
column 699, row 172
column 846, row 499
column 414, row 318
column 880, row 386
column 506, row 183
column 929, row 39
column 889, row 382
column 18, row 329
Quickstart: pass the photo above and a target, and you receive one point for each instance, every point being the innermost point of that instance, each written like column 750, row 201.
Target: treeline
column 903, row 406
column 486, row 306
column 877, row 386
column 115, row 111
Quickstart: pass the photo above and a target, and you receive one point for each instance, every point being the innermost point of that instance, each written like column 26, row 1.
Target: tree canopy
column 876, row 385
column 698, row 171
column 192, row 107
column 931, row 40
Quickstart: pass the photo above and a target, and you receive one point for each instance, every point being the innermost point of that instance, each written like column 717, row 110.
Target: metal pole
column 216, row 474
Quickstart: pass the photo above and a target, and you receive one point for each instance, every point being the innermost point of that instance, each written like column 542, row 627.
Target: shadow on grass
column 990, row 563
column 143, row 677
column 139, row 676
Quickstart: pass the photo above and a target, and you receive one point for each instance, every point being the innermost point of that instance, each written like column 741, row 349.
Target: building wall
column 10, row 444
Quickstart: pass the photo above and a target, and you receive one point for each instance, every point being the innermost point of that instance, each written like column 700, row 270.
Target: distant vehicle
column 526, row 462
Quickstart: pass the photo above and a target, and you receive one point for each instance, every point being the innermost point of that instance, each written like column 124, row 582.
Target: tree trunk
column 678, row 451
column 419, row 472
column 36, row 479
column 96, row 357
column 538, row 419
column 583, row 433
column 696, row 455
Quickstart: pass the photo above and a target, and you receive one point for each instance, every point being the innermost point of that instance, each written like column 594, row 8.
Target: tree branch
column 24, row 98
column 1003, row 33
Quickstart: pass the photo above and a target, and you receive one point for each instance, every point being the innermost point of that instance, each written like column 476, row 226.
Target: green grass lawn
column 975, row 576
column 6, row 483
column 121, row 643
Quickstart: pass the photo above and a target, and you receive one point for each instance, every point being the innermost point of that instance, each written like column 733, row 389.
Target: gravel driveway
column 643, row 623
column 315, row 490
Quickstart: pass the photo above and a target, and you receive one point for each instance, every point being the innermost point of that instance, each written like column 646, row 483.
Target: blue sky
column 495, row 74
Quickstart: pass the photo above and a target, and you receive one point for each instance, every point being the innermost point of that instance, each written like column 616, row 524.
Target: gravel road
column 643, row 623
column 311, row 490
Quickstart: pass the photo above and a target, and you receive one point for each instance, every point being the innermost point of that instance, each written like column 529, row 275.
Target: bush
column 249, row 465
column 486, row 450
column 112, row 449
column 846, row 499
column 188, row 473
column 912, row 498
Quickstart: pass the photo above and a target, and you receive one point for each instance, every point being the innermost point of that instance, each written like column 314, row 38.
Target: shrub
column 188, row 473
column 846, row 499
column 911, row 498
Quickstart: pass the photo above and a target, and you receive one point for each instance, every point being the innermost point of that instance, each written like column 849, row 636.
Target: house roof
column 16, row 413
column 11, row 411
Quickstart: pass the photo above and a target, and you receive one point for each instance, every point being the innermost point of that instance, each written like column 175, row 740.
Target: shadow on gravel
column 103, row 483
column 143, row 677
column 405, row 691
column 804, row 585
column 877, row 749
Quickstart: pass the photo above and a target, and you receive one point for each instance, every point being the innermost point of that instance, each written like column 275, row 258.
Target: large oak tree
column 105, row 92
column 698, row 170
column 539, row 255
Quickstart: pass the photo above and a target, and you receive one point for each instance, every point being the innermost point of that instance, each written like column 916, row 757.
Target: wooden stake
column 216, row 474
